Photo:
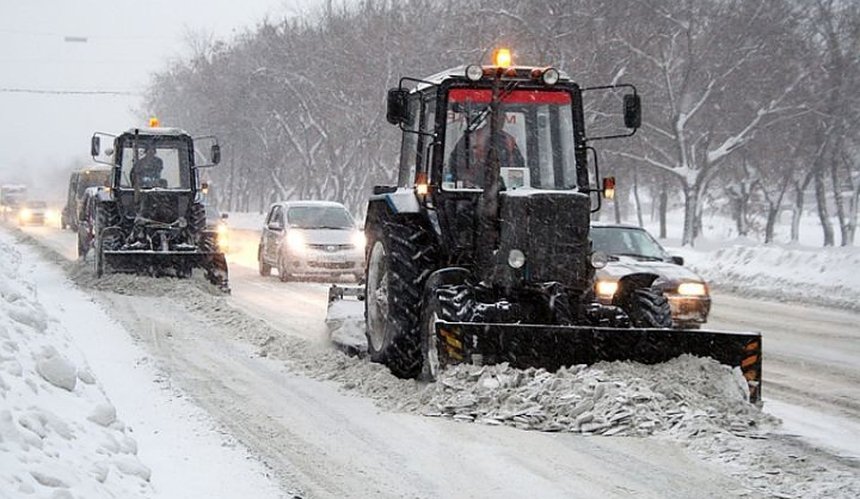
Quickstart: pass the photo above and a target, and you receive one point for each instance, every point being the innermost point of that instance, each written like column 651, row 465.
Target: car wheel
column 264, row 268
column 283, row 274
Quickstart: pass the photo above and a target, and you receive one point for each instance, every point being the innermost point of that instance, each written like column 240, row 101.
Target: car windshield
column 626, row 241
column 536, row 147
column 36, row 204
column 319, row 217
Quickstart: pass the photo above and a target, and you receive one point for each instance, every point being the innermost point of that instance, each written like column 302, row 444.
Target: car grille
column 332, row 265
column 331, row 248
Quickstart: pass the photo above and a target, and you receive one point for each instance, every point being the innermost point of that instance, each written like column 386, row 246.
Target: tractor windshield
column 149, row 164
column 535, row 145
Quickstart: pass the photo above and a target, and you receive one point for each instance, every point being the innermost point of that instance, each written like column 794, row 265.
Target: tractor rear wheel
column 399, row 261
column 647, row 308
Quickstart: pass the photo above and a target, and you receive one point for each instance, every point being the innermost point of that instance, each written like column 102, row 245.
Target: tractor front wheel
column 400, row 257
column 647, row 308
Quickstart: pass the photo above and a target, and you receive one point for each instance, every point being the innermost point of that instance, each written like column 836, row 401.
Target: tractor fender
column 401, row 200
column 635, row 281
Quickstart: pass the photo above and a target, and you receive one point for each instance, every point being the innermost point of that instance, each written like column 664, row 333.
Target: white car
column 311, row 239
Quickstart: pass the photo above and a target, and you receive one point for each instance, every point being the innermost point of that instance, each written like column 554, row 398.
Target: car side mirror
column 677, row 260
column 397, row 113
column 632, row 111
column 224, row 216
column 278, row 226
column 215, row 154
column 95, row 146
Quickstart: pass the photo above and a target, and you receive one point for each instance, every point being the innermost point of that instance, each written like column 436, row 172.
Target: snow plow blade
column 551, row 347
column 345, row 319
column 164, row 263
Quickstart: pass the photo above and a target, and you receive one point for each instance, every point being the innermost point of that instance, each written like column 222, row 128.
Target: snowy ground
column 258, row 365
column 83, row 412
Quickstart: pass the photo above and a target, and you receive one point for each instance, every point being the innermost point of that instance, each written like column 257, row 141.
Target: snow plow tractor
column 151, row 219
column 481, row 253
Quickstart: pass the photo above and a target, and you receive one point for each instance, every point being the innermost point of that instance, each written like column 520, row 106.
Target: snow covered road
column 256, row 362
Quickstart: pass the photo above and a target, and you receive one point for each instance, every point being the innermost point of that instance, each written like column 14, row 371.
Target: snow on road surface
column 328, row 425
column 84, row 414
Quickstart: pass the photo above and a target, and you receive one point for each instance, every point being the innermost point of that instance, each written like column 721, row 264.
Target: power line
column 67, row 92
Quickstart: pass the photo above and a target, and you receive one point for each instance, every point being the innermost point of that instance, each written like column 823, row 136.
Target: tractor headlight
column 296, row 242
column 516, row 259
column 550, row 76
column 606, row 289
column 474, row 72
column 692, row 289
column 599, row 259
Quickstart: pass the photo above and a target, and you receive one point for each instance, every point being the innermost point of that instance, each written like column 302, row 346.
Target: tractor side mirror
column 95, row 146
column 215, row 154
column 632, row 111
column 397, row 112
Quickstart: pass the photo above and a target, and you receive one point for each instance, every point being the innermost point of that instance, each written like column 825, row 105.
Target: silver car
column 311, row 239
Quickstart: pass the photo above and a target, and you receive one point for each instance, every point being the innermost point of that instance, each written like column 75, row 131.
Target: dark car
column 632, row 250
column 79, row 182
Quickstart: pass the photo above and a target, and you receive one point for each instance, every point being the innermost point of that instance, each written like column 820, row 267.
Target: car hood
column 327, row 236
column 626, row 265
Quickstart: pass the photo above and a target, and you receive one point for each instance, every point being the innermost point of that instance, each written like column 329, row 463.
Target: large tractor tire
column 106, row 217
column 400, row 258
column 647, row 308
column 453, row 303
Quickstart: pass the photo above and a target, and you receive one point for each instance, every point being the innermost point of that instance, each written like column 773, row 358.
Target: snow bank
column 824, row 276
column 59, row 434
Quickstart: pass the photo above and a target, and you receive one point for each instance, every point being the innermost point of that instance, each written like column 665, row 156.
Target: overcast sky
column 126, row 41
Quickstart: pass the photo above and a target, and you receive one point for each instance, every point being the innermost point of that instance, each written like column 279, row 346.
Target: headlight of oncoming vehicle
column 359, row 240
column 606, row 289
column 296, row 242
column 692, row 289
column 26, row 214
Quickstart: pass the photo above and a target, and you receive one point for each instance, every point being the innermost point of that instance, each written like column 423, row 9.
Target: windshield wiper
column 644, row 257
column 475, row 122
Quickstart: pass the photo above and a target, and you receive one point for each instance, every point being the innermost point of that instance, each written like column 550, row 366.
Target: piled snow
column 59, row 434
column 824, row 276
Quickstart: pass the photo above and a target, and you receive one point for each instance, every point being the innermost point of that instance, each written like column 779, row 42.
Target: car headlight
column 692, row 289
column 606, row 289
column 359, row 240
column 26, row 214
column 296, row 242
